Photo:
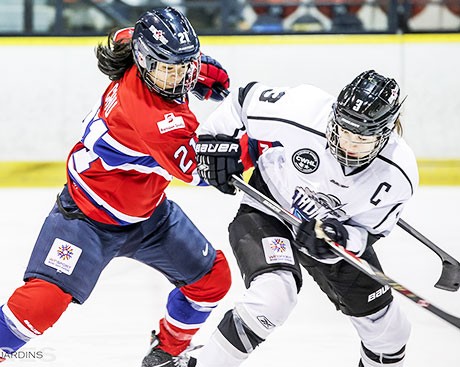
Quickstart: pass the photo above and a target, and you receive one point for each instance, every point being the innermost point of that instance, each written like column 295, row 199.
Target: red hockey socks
column 189, row 307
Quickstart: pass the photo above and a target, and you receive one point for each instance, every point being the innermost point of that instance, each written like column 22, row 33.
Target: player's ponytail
column 114, row 58
column 398, row 127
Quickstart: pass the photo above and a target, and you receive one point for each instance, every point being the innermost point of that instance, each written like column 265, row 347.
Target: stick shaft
column 355, row 261
column 449, row 279
column 416, row 234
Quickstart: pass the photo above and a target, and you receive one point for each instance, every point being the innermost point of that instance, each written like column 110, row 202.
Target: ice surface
column 112, row 328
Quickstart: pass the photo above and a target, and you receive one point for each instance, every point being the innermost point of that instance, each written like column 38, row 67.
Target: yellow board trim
column 52, row 174
column 301, row 39
column 439, row 172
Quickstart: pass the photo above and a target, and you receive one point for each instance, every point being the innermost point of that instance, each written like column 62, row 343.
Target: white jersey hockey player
column 339, row 164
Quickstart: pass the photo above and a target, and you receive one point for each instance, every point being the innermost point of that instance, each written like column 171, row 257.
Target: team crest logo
column 307, row 204
column 394, row 95
column 305, row 160
column 158, row 34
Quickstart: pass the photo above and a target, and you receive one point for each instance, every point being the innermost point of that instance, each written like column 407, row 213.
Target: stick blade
column 450, row 277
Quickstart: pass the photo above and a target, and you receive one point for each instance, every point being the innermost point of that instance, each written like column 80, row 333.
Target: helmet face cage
column 166, row 51
column 363, row 118
column 173, row 79
column 353, row 150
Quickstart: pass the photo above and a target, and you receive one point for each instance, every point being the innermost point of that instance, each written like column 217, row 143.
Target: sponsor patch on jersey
column 63, row 256
column 305, row 160
column 338, row 183
column 277, row 250
column 170, row 123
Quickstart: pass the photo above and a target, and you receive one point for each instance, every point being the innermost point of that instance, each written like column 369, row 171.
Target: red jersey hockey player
column 138, row 136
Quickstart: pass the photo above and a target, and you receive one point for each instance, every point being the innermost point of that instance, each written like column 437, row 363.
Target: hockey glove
column 311, row 236
column 218, row 157
column 213, row 80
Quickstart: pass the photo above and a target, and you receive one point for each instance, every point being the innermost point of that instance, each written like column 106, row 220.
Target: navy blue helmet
column 166, row 51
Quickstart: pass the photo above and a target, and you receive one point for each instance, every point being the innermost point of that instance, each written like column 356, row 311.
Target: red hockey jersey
column 134, row 141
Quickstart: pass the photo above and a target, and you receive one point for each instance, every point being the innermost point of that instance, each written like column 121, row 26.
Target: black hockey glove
column 312, row 239
column 218, row 157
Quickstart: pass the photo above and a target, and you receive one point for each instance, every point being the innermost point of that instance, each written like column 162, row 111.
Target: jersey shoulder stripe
column 400, row 170
column 243, row 92
column 387, row 216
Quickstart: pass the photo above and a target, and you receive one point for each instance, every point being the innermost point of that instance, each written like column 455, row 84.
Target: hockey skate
column 191, row 362
column 156, row 357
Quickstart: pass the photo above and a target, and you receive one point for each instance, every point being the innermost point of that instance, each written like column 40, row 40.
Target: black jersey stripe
column 237, row 131
column 293, row 123
column 400, row 169
column 243, row 92
column 386, row 216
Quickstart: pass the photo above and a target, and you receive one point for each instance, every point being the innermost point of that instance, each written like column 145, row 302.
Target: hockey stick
column 357, row 262
column 450, row 275
column 219, row 89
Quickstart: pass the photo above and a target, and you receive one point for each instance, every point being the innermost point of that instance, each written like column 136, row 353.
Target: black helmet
column 368, row 106
column 166, row 37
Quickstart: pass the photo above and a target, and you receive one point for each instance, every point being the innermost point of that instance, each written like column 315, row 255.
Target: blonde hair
column 398, row 127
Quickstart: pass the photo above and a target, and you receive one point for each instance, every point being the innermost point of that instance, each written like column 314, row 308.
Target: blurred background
column 50, row 77
column 225, row 17
column 50, row 81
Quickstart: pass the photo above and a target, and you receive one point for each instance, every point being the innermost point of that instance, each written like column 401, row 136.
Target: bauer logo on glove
column 218, row 158
column 217, row 148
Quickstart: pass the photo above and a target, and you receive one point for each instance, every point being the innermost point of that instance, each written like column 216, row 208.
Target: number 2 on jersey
column 181, row 153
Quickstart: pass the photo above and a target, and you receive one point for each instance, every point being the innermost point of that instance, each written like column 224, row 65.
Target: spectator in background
column 271, row 14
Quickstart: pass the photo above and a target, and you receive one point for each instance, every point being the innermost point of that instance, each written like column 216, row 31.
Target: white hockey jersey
column 301, row 173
